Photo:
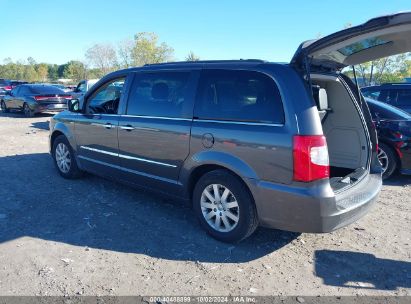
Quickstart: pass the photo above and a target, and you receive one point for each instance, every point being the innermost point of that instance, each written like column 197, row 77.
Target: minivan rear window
column 160, row 94
column 242, row 96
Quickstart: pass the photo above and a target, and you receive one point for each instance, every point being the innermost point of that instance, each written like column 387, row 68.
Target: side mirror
column 73, row 105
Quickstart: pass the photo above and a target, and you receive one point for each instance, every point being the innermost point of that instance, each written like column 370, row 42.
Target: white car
column 83, row 86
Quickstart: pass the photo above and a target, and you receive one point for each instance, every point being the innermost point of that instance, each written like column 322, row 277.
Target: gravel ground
column 95, row 237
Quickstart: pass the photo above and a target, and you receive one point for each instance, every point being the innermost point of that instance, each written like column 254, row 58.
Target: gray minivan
column 246, row 142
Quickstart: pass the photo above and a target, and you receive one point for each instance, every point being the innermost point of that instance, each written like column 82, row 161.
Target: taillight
column 67, row 96
column 41, row 97
column 8, row 88
column 310, row 155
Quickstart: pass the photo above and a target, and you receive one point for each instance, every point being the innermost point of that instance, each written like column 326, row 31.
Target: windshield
column 385, row 111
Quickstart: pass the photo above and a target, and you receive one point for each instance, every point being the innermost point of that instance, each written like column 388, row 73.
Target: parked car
column 35, row 98
column 15, row 83
column 395, row 94
column 248, row 142
column 83, row 86
column 5, row 86
column 394, row 135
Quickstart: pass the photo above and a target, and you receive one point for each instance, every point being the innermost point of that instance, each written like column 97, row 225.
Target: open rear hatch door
column 379, row 37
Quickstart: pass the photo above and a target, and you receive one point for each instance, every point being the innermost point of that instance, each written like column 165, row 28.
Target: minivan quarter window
column 239, row 96
column 106, row 99
column 160, row 94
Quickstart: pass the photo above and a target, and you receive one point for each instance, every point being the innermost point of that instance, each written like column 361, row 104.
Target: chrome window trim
column 158, row 117
column 209, row 120
column 127, row 156
column 240, row 122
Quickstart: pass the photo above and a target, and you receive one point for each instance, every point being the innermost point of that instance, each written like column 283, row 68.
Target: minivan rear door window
column 379, row 37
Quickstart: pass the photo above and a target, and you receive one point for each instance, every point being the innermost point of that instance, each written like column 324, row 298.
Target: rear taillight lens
column 310, row 155
column 41, row 97
column 8, row 88
column 67, row 96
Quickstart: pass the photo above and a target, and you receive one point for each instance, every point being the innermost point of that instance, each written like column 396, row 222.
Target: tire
column 4, row 107
column 388, row 160
column 27, row 111
column 245, row 212
column 60, row 147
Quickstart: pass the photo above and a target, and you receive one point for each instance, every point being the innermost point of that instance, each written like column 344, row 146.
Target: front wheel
column 64, row 158
column 388, row 161
column 4, row 107
column 27, row 111
column 224, row 206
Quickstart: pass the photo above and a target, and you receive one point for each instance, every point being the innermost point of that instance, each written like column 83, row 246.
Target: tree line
column 145, row 48
column 100, row 59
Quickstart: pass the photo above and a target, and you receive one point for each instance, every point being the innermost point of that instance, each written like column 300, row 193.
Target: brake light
column 310, row 155
column 41, row 97
column 67, row 96
column 8, row 88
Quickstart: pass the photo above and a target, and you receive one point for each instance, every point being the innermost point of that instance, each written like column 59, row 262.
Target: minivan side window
column 239, row 96
column 107, row 98
column 160, row 94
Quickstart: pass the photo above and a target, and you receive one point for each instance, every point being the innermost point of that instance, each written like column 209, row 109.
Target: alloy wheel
column 220, row 208
column 383, row 159
column 26, row 110
column 63, row 158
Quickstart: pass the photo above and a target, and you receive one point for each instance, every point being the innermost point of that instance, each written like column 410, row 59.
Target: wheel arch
column 396, row 152
column 209, row 161
column 62, row 129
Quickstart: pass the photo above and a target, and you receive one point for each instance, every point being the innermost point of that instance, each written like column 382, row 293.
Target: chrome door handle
column 127, row 128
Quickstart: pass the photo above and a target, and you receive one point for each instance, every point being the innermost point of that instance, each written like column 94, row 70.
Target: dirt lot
column 95, row 237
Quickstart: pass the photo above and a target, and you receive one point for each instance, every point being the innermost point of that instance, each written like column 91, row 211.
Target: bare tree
column 192, row 57
column 102, row 56
column 125, row 53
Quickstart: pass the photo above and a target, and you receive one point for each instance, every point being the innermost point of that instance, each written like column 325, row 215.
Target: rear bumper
column 49, row 107
column 313, row 208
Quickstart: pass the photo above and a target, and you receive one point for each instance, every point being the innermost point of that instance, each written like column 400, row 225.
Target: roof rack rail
column 207, row 61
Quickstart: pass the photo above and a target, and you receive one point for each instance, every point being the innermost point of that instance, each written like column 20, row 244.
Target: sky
column 56, row 31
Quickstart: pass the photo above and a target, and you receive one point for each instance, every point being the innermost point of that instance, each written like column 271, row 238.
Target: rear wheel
column 4, row 107
column 388, row 161
column 64, row 158
column 27, row 111
column 224, row 206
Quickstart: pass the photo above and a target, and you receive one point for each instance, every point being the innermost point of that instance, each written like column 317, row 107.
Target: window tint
column 15, row 91
column 384, row 111
column 163, row 94
column 45, row 90
column 404, row 98
column 24, row 90
column 388, row 96
column 106, row 99
column 238, row 96
column 373, row 94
